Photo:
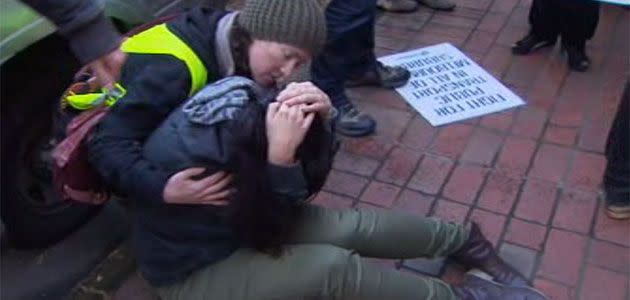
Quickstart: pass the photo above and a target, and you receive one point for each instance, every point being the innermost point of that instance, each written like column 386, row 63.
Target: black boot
column 479, row 253
column 383, row 76
column 576, row 58
column 477, row 288
column 530, row 43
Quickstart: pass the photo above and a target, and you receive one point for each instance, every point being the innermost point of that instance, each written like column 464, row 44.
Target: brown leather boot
column 479, row 253
column 477, row 288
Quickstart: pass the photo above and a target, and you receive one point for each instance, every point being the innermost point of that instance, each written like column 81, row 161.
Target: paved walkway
column 530, row 176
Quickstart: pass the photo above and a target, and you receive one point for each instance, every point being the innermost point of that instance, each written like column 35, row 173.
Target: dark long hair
column 262, row 221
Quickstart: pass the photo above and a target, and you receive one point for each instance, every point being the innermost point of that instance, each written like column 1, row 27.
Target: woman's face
column 272, row 62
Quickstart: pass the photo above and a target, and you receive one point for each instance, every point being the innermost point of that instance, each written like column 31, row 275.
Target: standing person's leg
column 579, row 20
column 350, row 26
column 544, row 28
column 617, row 175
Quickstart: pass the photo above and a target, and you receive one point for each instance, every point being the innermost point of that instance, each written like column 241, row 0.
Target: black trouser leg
column 543, row 17
column 617, row 176
column 579, row 21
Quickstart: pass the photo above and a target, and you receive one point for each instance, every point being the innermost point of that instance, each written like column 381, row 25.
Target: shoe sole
column 536, row 47
column 618, row 215
column 482, row 275
column 452, row 8
column 356, row 133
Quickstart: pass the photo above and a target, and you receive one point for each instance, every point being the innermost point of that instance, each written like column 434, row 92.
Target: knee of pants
column 329, row 262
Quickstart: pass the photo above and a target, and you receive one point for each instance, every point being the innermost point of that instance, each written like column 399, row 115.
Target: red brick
column 391, row 122
column 399, row 166
column 493, row 22
column 381, row 194
column 497, row 60
column 419, row 134
column 451, row 211
column 445, row 31
column 615, row 231
column 603, row 284
column 551, row 163
column 587, row 171
column 430, row 38
column 537, row 201
column 519, row 17
column 499, row 193
column 554, row 291
column 491, row 224
column 453, row 20
column 451, row 140
column 329, row 200
column 594, row 135
column 430, row 174
column 376, row 95
column 516, row 155
column 482, row 147
column 414, row 203
column 392, row 43
column 370, row 146
column 563, row 256
column 355, row 164
column 609, row 256
column 453, row 274
column 505, row 6
column 568, row 114
column 464, row 183
column 345, row 184
column 524, row 69
column 526, row 234
column 529, row 122
column 480, row 41
column 509, row 35
column 501, row 121
column 575, row 211
column 474, row 4
column 543, row 91
column 560, row 135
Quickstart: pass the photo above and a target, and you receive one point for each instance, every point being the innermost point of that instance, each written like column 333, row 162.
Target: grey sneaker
column 439, row 4
column 399, row 6
column 351, row 122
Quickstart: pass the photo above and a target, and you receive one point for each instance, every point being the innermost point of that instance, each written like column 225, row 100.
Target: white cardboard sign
column 446, row 86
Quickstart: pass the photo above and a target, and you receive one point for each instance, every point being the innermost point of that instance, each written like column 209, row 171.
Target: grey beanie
column 300, row 23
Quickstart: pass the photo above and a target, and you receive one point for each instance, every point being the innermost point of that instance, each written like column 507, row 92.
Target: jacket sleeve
column 82, row 22
column 116, row 147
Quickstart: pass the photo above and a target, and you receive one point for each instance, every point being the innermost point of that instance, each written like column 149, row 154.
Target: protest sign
column 446, row 86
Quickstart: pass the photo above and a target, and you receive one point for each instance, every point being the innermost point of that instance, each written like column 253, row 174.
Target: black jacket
column 156, row 85
column 172, row 241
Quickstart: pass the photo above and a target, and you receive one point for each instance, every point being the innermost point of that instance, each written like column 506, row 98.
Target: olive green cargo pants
column 326, row 261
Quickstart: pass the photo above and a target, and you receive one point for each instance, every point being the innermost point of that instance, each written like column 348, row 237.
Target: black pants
column 617, row 176
column 349, row 49
column 574, row 20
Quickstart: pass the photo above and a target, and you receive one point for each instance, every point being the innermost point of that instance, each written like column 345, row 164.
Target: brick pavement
column 530, row 176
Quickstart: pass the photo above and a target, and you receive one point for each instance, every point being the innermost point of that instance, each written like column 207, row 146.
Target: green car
column 36, row 66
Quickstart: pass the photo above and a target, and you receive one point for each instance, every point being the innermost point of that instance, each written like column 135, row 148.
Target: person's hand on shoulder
column 183, row 188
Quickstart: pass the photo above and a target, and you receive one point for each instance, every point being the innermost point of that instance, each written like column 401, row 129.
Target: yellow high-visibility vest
column 156, row 40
